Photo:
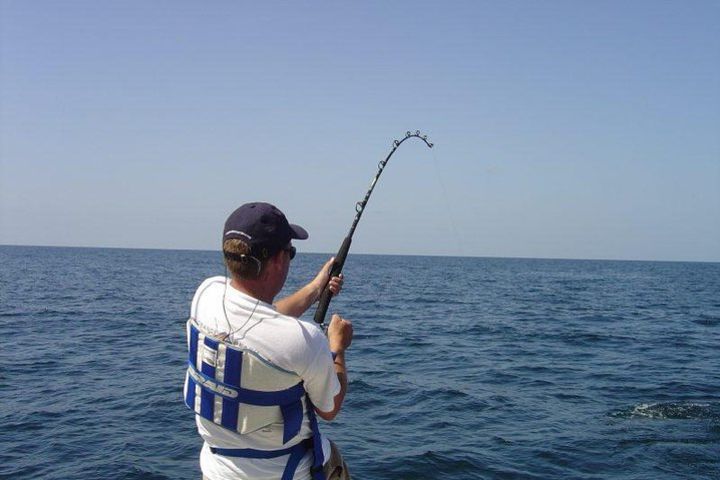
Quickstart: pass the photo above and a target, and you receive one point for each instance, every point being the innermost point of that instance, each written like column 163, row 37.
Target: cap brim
column 298, row 232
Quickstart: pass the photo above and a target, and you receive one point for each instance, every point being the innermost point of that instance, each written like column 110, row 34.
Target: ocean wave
column 138, row 473
column 672, row 411
column 708, row 320
column 430, row 465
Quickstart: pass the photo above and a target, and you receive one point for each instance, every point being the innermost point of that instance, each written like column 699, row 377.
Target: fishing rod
column 342, row 253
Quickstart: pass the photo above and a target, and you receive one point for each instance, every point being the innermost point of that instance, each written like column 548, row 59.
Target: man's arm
column 340, row 333
column 296, row 304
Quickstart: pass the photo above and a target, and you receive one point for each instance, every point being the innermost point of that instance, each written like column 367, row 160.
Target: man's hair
column 239, row 261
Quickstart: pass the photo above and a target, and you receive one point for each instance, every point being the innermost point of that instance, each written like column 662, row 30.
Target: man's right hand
column 340, row 334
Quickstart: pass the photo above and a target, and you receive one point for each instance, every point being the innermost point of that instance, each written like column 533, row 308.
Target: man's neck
column 256, row 290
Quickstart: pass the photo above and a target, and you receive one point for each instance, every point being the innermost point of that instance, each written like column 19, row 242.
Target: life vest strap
column 316, row 471
column 289, row 400
column 245, row 395
column 296, row 452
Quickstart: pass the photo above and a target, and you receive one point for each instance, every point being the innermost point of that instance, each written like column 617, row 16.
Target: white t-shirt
column 294, row 345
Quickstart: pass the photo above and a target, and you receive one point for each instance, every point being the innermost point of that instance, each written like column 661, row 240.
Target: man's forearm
column 341, row 371
column 296, row 304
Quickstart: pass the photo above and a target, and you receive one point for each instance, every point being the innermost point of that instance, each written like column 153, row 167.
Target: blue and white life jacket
column 243, row 392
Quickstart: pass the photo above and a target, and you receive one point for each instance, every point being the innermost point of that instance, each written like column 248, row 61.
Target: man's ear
column 272, row 264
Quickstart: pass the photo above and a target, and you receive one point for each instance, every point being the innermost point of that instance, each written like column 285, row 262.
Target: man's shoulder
column 209, row 285
column 211, row 282
column 210, row 289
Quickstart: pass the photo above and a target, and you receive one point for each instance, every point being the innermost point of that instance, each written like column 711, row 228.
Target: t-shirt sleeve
column 320, row 379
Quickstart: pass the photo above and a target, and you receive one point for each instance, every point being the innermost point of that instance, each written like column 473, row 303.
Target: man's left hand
column 321, row 279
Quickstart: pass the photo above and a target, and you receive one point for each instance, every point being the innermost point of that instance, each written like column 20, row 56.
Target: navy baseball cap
column 263, row 227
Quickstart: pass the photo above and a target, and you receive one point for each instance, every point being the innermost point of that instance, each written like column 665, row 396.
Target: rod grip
column 336, row 270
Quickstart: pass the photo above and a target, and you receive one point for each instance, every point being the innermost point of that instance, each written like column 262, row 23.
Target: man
column 257, row 376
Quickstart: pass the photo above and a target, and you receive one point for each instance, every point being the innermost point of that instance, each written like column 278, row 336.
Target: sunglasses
column 291, row 250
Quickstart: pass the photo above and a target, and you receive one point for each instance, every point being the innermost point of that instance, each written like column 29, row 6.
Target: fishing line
column 448, row 210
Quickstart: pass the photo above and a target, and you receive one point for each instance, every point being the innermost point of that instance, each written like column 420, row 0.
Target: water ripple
column 672, row 411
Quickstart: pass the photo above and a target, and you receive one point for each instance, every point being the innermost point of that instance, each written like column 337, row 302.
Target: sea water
column 468, row 368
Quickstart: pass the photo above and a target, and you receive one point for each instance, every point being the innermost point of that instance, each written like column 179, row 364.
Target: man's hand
column 321, row 279
column 340, row 334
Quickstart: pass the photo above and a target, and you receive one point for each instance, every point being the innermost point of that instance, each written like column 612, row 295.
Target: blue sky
column 562, row 129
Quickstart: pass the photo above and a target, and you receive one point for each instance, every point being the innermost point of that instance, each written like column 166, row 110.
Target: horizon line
column 375, row 254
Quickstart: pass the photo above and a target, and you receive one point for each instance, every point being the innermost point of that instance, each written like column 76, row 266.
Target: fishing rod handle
column 335, row 270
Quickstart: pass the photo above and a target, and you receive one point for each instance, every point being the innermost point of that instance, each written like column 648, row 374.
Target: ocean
column 467, row 368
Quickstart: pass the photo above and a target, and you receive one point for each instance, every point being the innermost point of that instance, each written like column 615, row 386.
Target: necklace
column 232, row 332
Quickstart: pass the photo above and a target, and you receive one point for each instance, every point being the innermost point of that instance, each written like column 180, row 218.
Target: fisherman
column 257, row 375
